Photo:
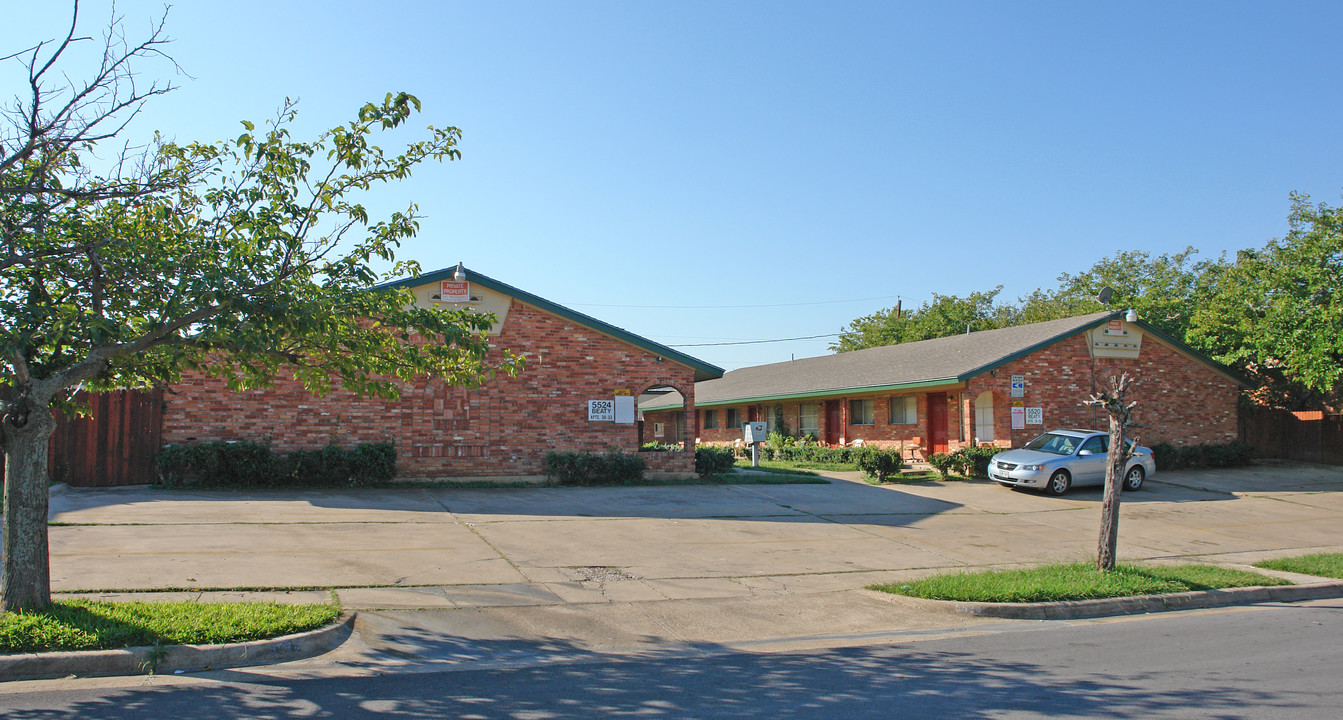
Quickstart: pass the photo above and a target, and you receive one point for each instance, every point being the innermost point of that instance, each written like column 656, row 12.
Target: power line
column 731, row 307
column 757, row 342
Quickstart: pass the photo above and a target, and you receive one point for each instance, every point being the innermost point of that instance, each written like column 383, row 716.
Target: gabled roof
column 703, row 370
column 908, row 366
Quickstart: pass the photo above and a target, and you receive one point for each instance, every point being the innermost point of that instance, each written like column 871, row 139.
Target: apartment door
column 833, row 422
column 937, row 422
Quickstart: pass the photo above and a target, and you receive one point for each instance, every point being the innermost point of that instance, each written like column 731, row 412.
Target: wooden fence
column 1304, row 436
column 117, row 444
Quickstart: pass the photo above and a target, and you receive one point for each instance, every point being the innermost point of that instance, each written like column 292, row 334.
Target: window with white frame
column 904, row 410
column 860, row 412
column 809, row 420
column 984, row 417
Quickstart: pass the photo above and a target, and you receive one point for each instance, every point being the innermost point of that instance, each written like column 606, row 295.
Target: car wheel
column 1058, row 483
column 1134, row 477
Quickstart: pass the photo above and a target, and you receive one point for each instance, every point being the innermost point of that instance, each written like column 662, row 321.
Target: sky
column 720, row 172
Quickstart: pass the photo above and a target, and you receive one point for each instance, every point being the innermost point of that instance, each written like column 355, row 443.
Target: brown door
column 833, row 419
column 937, row 422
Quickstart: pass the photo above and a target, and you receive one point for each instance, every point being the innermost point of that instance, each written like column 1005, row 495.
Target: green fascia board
column 1179, row 345
column 703, row 370
column 861, row 389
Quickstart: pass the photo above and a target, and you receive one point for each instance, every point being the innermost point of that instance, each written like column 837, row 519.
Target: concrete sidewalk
column 536, row 547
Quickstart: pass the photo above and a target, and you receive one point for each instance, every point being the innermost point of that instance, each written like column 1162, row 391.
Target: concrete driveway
column 424, row 548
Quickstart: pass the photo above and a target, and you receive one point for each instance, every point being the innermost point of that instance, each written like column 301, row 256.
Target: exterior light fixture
column 460, row 273
column 1132, row 315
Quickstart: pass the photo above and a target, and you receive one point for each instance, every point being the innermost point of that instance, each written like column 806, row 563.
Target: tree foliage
column 242, row 259
column 1277, row 312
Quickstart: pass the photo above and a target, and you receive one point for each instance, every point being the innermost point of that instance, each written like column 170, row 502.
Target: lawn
column 798, row 465
column 1075, row 581
column 95, row 625
column 1320, row 564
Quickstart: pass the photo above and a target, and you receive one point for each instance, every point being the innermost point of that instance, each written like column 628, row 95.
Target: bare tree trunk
column 1112, row 400
column 1108, row 545
column 25, row 578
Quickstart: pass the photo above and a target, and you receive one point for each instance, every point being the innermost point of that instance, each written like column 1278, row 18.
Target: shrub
column 966, row 461
column 1196, row 457
column 974, row 461
column 246, row 465
column 711, row 460
column 614, row 468
column 943, row 463
column 879, row 464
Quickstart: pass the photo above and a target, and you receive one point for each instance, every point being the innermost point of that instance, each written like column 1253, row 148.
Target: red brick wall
column 1180, row 401
column 503, row 428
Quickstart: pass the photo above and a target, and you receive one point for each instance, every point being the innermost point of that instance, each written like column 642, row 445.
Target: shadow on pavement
column 888, row 681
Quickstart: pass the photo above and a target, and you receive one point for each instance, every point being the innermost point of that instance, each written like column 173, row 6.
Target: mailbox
column 753, row 432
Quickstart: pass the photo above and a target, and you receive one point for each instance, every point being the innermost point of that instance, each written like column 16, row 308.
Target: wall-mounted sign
column 1018, row 418
column 624, row 409
column 1018, row 386
column 621, row 393
column 1035, row 416
column 454, row 290
column 1114, row 327
column 601, row 410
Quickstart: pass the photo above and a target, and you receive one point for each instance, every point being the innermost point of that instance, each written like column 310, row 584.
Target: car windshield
column 1056, row 444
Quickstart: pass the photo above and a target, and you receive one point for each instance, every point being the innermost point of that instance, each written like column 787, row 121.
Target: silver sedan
column 1060, row 459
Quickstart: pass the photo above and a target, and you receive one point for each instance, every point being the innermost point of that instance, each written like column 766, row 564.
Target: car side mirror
column 1084, row 453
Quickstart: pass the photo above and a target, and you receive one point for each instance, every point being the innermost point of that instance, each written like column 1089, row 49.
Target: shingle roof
column 939, row 361
column 703, row 370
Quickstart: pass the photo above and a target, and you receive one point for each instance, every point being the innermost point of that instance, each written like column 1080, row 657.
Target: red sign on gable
column 455, row 290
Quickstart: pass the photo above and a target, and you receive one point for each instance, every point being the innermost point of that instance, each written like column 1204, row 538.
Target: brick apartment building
column 503, row 429
column 1000, row 387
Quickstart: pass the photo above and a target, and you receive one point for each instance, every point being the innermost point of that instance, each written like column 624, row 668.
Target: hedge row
column 247, row 464
column 575, row 468
column 1194, row 457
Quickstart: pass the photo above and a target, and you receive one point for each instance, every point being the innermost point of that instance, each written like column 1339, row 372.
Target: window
column 710, row 419
column 860, row 412
column 984, row 417
column 734, row 418
column 809, row 420
column 1097, row 444
column 904, row 410
column 775, row 420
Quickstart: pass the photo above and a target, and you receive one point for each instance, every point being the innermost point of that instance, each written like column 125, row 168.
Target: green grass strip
column 1319, row 564
column 96, row 625
column 1075, row 581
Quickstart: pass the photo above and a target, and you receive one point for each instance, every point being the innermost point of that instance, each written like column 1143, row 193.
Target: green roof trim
column 856, row 390
column 703, row 370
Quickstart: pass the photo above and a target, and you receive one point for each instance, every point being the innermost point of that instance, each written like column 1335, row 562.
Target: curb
column 174, row 658
column 1148, row 603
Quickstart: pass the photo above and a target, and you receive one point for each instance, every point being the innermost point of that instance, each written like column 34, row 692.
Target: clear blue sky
column 810, row 156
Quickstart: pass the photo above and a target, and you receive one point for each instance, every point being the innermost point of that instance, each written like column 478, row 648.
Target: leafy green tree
column 242, row 259
column 1277, row 312
column 1161, row 289
column 942, row 316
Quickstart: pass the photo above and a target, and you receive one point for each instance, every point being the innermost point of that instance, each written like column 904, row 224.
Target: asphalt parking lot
column 446, row 548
